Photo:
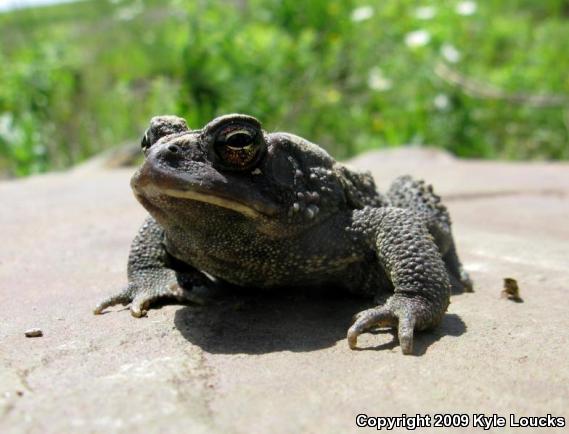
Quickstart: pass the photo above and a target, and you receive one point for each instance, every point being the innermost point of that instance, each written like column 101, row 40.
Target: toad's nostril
column 173, row 149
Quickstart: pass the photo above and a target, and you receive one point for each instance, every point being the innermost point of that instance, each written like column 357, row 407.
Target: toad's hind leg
column 415, row 195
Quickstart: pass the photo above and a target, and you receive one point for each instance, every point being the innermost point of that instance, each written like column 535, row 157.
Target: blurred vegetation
column 349, row 75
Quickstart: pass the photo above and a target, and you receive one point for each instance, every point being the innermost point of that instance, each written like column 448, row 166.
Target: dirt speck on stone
column 33, row 333
column 511, row 290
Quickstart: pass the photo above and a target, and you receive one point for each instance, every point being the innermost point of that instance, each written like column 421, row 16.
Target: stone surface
column 229, row 367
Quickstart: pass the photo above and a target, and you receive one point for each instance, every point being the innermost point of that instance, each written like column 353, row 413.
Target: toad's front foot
column 144, row 292
column 405, row 313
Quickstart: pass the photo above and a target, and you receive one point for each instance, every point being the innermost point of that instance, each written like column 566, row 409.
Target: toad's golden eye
column 238, row 146
column 238, row 139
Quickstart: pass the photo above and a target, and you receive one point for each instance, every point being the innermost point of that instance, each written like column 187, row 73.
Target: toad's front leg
column 152, row 275
column 407, row 253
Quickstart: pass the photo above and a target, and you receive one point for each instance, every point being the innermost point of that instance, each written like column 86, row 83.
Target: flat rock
column 278, row 363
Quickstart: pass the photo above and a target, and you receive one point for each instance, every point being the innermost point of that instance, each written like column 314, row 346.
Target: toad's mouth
column 215, row 189
column 204, row 198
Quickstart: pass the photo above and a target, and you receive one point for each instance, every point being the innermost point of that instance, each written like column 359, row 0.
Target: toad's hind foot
column 466, row 281
column 460, row 284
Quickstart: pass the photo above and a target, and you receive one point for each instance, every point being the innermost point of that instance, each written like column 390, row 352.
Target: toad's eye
column 238, row 146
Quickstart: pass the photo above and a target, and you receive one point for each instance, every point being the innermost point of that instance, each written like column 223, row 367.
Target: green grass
column 78, row 78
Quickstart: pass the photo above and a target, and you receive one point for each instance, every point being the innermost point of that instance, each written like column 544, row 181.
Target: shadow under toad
column 257, row 322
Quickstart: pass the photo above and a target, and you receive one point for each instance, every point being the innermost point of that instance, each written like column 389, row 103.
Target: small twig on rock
column 33, row 333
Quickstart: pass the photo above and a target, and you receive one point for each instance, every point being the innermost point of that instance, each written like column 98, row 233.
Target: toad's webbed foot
column 147, row 290
column 405, row 314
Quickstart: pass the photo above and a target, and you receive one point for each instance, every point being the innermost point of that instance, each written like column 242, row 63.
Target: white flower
column 417, row 38
column 441, row 102
column 450, row 53
column 377, row 81
column 39, row 150
column 6, row 120
column 362, row 13
column 8, row 131
column 466, row 8
column 425, row 12
column 128, row 13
